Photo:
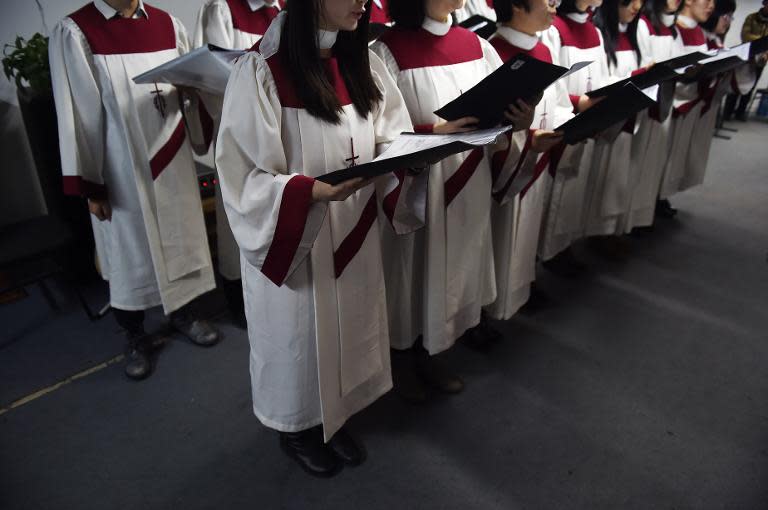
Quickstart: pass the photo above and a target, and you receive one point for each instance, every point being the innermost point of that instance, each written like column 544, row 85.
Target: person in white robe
column 617, row 21
column 125, row 148
column 738, row 81
column 471, row 8
column 230, row 24
column 688, row 102
column 516, row 222
column 656, row 35
column 573, row 38
column 314, row 289
column 439, row 279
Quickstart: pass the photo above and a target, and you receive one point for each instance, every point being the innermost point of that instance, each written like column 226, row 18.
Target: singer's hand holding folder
column 412, row 150
column 521, row 77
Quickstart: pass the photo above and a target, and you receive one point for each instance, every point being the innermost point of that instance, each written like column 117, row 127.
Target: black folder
column 684, row 60
column 654, row 76
column 614, row 109
column 480, row 25
column 414, row 159
column 712, row 69
column 521, row 77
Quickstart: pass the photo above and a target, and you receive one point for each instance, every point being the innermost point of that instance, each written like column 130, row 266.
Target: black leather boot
column 308, row 450
column 406, row 382
column 138, row 365
column 347, row 448
column 664, row 209
column 434, row 372
column 564, row 264
column 198, row 331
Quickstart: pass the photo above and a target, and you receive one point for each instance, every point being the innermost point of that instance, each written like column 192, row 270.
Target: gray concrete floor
column 643, row 385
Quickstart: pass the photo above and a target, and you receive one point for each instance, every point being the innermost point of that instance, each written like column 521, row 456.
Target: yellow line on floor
column 85, row 373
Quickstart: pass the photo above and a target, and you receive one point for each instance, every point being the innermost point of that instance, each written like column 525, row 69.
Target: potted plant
column 26, row 63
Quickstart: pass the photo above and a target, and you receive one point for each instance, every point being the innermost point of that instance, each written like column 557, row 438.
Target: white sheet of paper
column 205, row 68
column 408, row 143
column 652, row 92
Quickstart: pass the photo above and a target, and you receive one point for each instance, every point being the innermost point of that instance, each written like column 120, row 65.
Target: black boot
column 664, row 209
column 406, row 382
column 233, row 291
column 308, row 450
column 347, row 448
column 138, row 365
column 199, row 332
column 434, row 372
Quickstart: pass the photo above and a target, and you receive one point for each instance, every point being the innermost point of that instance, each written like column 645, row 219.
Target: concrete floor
column 643, row 385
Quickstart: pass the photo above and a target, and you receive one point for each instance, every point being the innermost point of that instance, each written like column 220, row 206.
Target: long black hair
column 721, row 7
column 504, row 11
column 567, row 7
column 654, row 9
column 301, row 56
column 607, row 21
column 407, row 13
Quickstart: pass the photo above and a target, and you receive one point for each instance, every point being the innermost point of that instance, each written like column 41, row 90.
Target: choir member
column 656, row 35
column 688, row 104
column 125, row 148
column 439, row 279
column 308, row 99
column 573, row 38
column 230, row 24
column 517, row 222
column 617, row 21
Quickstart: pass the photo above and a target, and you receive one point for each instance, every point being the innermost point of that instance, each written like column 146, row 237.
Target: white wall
column 20, row 195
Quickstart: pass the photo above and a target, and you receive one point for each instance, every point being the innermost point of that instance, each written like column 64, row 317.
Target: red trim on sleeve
column 574, row 101
column 356, row 237
column 639, row 71
column 389, row 204
column 77, row 186
column 541, row 165
column 424, row 128
column 460, row 177
column 499, row 195
column 167, row 152
column 291, row 220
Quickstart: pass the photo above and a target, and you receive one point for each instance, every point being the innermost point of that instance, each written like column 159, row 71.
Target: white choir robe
column 616, row 179
column 738, row 81
column 230, row 24
column 650, row 147
column 439, row 279
column 476, row 7
column 686, row 109
column 128, row 142
column 516, row 218
column 312, row 272
column 570, row 39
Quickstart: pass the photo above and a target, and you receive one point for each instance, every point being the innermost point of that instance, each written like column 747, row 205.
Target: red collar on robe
column 286, row 89
column 120, row 36
column 507, row 50
column 692, row 36
column 578, row 35
column 418, row 48
column 248, row 21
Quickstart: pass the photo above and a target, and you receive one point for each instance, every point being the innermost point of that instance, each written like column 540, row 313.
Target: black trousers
column 133, row 320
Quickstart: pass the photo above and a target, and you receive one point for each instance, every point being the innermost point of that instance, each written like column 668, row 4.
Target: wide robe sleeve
column 269, row 206
column 81, row 120
column 403, row 193
column 214, row 25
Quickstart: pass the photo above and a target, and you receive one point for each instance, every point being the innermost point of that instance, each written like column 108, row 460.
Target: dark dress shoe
column 138, row 365
column 436, row 374
column 476, row 339
column 664, row 209
column 310, row 453
column 349, row 450
column 406, row 383
column 198, row 331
